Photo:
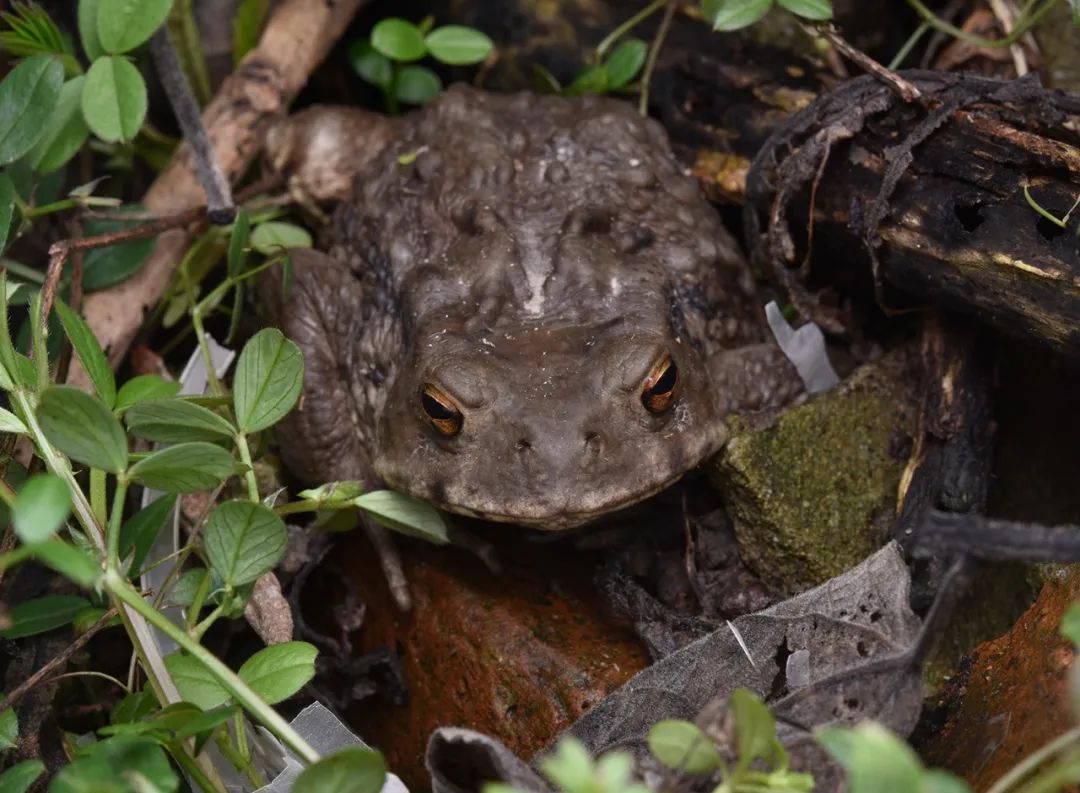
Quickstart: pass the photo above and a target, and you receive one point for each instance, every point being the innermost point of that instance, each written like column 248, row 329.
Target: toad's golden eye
column 659, row 390
column 441, row 411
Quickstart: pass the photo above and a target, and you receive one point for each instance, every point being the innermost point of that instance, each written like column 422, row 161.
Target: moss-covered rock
column 815, row 493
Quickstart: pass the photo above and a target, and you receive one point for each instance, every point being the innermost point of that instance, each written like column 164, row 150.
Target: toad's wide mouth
column 554, row 518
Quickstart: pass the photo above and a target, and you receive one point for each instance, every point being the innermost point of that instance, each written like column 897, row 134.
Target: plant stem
column 1024, row 23
column 249, row 474
column 97, row 494
column 117, row 586
column 194, row 771
column 238, row 760
column 192, row 616
column 198, row 631
column 909, row 45
column 627, row 26
column 654, row 54
column 112, row 535
column 1034, row 760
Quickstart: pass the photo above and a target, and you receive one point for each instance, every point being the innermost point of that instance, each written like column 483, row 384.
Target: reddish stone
column 519, row 655
column 1013, row 696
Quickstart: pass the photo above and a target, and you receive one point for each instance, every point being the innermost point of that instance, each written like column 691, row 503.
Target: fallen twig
column 57, row 661
column 295, row 41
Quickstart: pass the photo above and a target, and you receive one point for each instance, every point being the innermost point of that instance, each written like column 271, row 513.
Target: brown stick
column 61, row 659
column 905, row 89
column 295, row 41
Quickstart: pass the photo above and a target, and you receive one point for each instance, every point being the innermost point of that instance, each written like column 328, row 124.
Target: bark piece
column 929, row 199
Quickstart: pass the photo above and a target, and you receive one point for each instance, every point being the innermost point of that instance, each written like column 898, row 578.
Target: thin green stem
column 249, row 473
column 626, row 27
column 197, row 601
column 200, row 332
column 194, row 771
column 1017, row 773
column 117, row 586
column 38, row 332
column 1024, row 22
column 116, row 516
column 293, row 507
column 909, row 45
column 1042, row 211
column 92, row 673
column 97, row 494
column 7, row 495
column 654, row 54
column 200, row 629
column 241, row 762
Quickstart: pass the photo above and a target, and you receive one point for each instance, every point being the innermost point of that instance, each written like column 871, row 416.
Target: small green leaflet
column 398, row 39
column 89, row 351
column 28, row 95
column 83, row 428
column 352, row 770
column 42, row 506
column 114, row 99
column 269, row 376
column 404, row 514
column 176, row 420
column 21, row 776
column 682, row 745
column 244, row 540
column 195, row 682
column 458, row 45
column 43, row 614
column 184, row 468
column 280, row 670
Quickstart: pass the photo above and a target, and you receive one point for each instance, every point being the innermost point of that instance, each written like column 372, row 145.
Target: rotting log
column 928, row 199
column 296, row 40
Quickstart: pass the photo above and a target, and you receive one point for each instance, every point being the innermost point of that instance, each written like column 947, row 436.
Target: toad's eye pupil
column 666, row 382
column 436, row 409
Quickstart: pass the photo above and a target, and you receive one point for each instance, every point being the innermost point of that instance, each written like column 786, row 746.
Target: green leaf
column 935, row 781
column 728, row 15
column 143, row 388
column 7, row 207
column 817, row 10
column 176, row 420
column 398, row 40
column 372, row 66
column 458, row 45
column 207, row 720
column 238, row 243
column 195, row 682
column 41, row 508
column 70, row 561
column 114, row 99
column 269, row 376
column 248, row 23
column 65, row 131
column 42, row 614
column 134, row 707
column 244, row 540
column 625, row 62
column 351, row 770
column 79, row 425
column 280, row 670
column 1070, row 624
column 570, row 767
column 21, row 776
column 873, row 758
column 417, row 84
column 122, row 25
column 141, row 529
column 88, row 32
column 755, row 728
column 99, row 766
column 590, row 81
column 268, row 238
column 405, row 514
column 182, row 593
column 184, row 468
column 89, row 351
column 28, row 95
column 103, row 267
column 683, row 746
column 9, row 730
column 9, row 422
column 334, row 495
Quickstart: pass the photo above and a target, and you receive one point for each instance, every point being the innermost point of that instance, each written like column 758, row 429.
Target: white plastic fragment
column 797, row 670
column 805, row 348
column 326, row 734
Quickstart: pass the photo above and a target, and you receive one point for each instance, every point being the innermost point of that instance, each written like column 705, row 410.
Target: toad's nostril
column 523, row 445
column 593, row 442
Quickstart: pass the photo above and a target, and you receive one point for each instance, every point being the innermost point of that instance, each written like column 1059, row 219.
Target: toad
column 523, row 309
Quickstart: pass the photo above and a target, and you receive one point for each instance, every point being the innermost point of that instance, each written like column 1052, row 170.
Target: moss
column 815, row 493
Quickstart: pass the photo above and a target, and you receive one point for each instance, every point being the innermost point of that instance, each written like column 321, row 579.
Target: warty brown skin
column 533, row 258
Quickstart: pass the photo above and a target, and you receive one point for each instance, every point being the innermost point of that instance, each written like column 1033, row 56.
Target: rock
column 519, row 655
column 815, row 493
column 1011, row 696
